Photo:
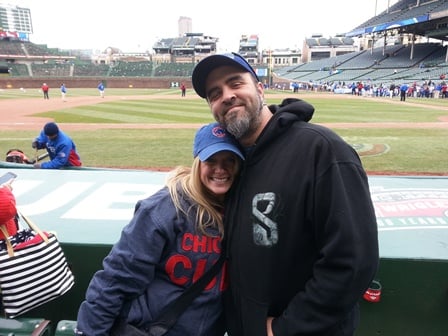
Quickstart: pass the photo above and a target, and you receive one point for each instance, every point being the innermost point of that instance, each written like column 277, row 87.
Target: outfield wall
column 86, row 82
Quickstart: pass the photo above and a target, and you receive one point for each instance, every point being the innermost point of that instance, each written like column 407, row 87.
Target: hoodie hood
column 303, row 110
column 285, row 115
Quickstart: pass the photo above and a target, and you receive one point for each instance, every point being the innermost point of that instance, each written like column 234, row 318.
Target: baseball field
column 154, row 129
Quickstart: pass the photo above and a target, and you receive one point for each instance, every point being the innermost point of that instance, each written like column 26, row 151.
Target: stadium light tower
column 270, row 67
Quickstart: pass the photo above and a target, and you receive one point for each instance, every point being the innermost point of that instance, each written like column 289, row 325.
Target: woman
column 8, row 210
column 8, row 218
column 172, row 240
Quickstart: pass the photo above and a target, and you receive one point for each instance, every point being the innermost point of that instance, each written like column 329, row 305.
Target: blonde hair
column 185, row 181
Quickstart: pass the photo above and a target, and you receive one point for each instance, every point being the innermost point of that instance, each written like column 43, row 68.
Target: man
column 60, row 147
column 403, row 91
column 301, row 231
column 183, row 89
column 101, row 89
column 45, row 88
column 63, row 92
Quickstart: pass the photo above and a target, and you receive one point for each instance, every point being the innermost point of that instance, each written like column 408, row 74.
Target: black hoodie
column 301, row 230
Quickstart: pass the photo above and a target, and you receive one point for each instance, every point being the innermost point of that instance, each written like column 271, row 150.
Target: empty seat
column 25, row 327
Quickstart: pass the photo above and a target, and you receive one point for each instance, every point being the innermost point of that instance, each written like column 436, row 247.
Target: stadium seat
column 25, row 327
column 65, row 328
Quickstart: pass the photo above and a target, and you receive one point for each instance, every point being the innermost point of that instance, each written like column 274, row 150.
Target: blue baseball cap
column 213, row 138
column 51, row 129
column 210, row 63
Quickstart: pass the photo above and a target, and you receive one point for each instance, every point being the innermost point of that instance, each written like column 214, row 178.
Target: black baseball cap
column 210, row 63
column 51, row 129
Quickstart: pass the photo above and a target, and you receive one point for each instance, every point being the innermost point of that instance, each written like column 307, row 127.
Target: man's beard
column 243, row 125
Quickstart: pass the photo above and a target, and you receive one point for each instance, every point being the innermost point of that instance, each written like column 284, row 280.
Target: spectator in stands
column 444, row 90
column 8, row 219
column 295, row 87
column 45, row 88
column 101, row 89
column 60, row 147
column 410, row 91
column 427, row 91
column 183, row 221
column 8, row 211
column 360, row 88
column 302, row 241
column 183, row 89
column 392, row 90
column 63, row 91
column 437, row 90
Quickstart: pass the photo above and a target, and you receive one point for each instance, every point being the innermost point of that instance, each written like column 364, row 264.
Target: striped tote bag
column 32, row 272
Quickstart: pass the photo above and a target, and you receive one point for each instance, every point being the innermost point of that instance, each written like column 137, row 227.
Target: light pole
column 270, row 66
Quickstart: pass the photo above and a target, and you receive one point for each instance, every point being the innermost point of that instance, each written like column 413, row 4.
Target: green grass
column 371, row 110
column 54, row 92
column 410, row 150
column 134, row 111
column 120, row 148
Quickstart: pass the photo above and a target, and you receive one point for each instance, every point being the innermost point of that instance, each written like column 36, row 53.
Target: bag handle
column 8, row 243
column 33, row 226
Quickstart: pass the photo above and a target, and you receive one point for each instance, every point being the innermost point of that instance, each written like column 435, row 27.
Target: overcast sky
column 135, row 25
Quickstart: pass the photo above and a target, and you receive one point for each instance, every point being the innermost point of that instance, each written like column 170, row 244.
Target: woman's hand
column 269, row 326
